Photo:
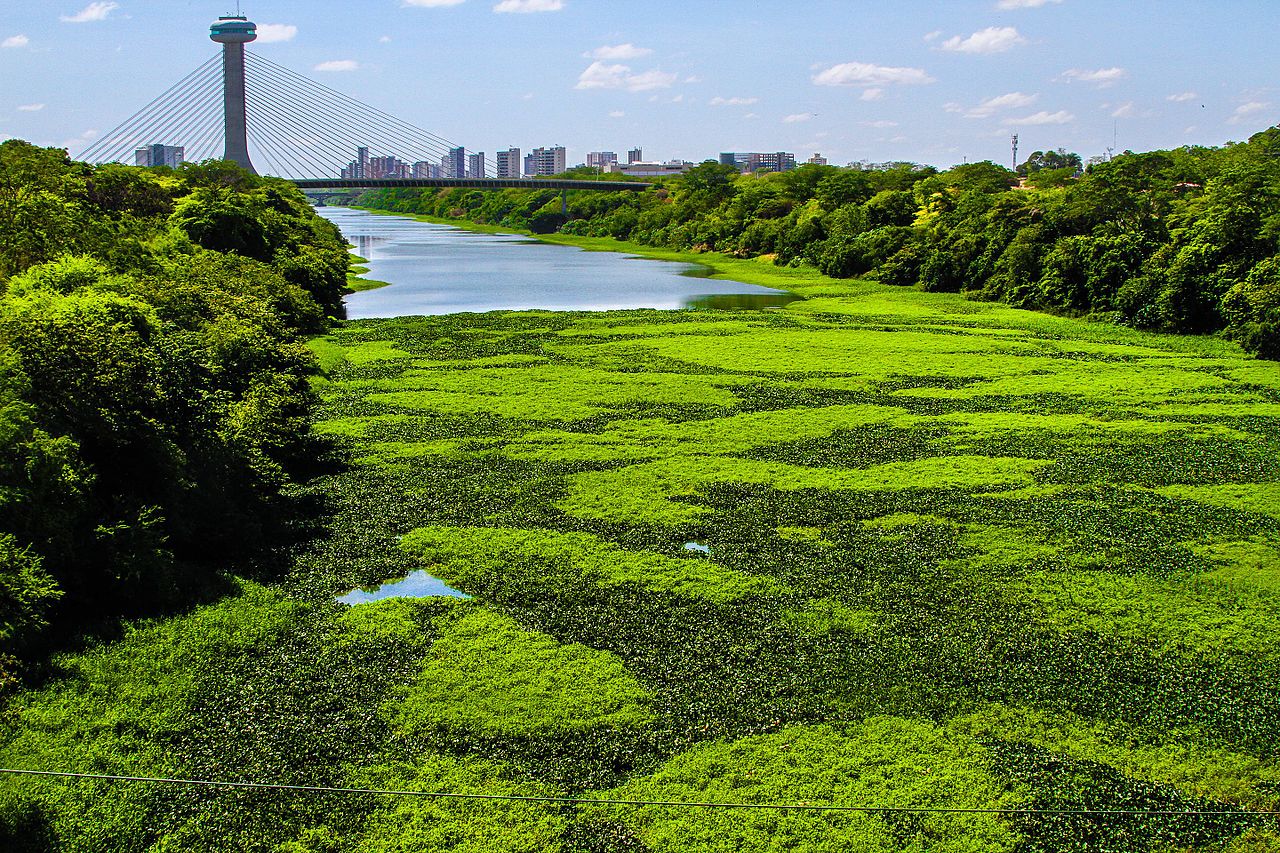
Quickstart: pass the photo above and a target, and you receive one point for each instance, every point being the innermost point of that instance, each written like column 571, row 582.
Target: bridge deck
column 472, row 183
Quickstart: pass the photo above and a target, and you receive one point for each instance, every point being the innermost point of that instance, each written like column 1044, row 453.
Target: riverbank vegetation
column 948, row 555
column 1186, row 240
column 153, row 381
column 1003, row 578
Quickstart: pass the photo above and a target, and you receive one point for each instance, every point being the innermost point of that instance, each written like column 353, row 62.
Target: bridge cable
column 195, row 127
column 260, row 101
column 136, row 126
column 163, row 122
column 375, row 140
column 390, row 139
column 379, row 114
column 405, row 134
column 93, row 149
column 268, row 130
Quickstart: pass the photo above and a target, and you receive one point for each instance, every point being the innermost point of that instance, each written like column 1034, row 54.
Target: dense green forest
column 1183, row 240
column 153, row 380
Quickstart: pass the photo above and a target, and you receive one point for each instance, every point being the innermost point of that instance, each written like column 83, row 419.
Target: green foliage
column 154, row 401
column 488, row 677
column 880, row 762
column 1181, row 240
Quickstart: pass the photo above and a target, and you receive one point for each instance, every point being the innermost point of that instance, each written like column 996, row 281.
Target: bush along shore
column 1003, row 579
column 154, row 396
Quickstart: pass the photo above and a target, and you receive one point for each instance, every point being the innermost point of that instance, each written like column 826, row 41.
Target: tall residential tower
column 233, row 33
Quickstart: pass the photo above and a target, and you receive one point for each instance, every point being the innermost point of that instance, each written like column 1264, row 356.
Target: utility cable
column 593, row 801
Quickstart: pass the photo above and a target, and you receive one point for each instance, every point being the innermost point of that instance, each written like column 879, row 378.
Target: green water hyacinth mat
column 944, row 559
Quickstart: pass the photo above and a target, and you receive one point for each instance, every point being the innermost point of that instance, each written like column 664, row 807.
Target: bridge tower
column 233, row 33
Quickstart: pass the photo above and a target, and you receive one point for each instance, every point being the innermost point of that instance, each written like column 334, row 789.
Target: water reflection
column 367, row 244
column 418, row 584
column 437, row 269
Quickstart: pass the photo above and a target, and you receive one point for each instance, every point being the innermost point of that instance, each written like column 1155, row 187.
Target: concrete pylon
column 233, row 33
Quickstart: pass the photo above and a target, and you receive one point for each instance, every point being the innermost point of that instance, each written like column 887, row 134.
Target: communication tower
column 1015, row 152
column 233, row 32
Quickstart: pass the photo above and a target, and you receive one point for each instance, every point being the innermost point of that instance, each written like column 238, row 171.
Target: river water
column 438, row 269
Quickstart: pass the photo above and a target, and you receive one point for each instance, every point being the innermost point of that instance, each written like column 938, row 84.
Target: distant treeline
column 1183, row 240
column 154, row 398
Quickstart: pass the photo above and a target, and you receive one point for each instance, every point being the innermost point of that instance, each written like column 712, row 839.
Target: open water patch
column 418, row 584
column 436, row 269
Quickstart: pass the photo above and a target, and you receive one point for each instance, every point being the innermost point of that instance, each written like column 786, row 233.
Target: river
column 439, row 269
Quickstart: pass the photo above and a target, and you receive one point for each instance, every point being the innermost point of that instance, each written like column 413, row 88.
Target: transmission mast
column 1015, row 152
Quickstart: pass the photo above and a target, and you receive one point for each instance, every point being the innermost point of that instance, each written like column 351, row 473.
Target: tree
column 1060, row 159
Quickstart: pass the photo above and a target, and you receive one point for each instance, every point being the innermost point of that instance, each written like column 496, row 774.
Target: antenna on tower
column 1015, row 152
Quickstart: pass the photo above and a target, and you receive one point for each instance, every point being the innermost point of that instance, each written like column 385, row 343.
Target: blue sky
column 932, row 82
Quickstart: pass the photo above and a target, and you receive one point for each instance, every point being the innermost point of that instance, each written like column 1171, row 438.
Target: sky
column 938, row 83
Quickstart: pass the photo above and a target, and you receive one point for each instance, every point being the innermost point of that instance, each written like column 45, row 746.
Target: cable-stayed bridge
column 243, row 107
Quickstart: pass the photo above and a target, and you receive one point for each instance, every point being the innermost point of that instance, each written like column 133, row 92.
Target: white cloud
column 338, row 65
column 1182, row 97
column 385, row 40
column 1024, row 4
column 990, row 40
column 1042, row 117
column 882, row 123
column 1243, row 111
column 933, row 35
column 433, row 4
column 870, row 76
column 268, row 33
column 618, row 51
column 752, row 115
column 733, row 102
column 30, row 108
column 1125, row 110
column 526, row 6
column 92, row 12
column 80, row 142
column 617, row 114
column 872, row 95
column 796, row 118
column 1102, row 77
column 15, row 41
column 599, row 75
column 991, row 106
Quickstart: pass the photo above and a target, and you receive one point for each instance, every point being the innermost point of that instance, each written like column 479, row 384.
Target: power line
column 594, row 801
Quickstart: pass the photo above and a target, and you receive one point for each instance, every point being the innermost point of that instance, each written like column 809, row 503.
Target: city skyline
column 931, row 84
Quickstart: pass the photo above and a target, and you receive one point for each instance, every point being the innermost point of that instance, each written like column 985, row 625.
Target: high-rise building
column 509, row 163
column 423, row 170
column 548, row 161
column 635, row 155
column 601, row 159
column 817, row 160
column 172, row 156
column 382, row 168
column 754, row 161
column 530, row 165
column 475, row 165
column 454, row 164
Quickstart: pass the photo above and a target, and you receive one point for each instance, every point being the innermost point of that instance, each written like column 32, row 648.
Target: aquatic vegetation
column 952, row 554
